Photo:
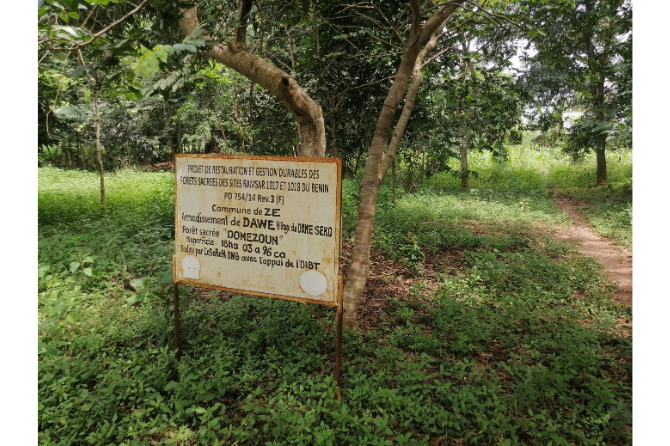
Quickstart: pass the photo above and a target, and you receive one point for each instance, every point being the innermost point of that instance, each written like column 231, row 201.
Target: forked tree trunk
column 309, row 116
column 98, row 150
column 377, row 165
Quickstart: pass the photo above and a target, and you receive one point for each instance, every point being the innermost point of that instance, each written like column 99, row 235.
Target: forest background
column 651, row 239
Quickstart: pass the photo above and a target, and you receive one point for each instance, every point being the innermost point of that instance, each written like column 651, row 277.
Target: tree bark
column 465, row 143
column 98, row 150
column 372, row 176
column 180, row 135
column 601, row 139
column 465, row 169
column 235, row 55
column 84, row 155
column 601, row 167
column 309, row 117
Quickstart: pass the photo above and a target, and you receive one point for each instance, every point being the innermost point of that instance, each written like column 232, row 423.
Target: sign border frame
column 338, row 223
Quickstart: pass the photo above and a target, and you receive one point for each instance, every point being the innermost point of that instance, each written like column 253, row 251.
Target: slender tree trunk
column 333, row 135
column 82, row 154
column 393, row 182
column 465, row 143
column 465, row 170
column 180, row 136
column 225, row 140
column 358, row 160
column 601, row 167
column 423, row 167
column 374, row 173
column 601, row 140
column 98, row 149
column 171, row 146
column 251, row 121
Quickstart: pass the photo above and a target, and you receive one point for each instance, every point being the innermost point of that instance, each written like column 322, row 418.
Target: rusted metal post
column 338, row 342
column 175, row 302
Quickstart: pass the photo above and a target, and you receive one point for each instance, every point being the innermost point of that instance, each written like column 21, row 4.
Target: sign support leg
column 338, row 341
column 175, row 303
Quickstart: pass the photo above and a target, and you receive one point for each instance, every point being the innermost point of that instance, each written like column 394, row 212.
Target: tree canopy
column 367, row 82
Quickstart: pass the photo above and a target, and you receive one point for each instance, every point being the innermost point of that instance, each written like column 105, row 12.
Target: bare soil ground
column 616, row 260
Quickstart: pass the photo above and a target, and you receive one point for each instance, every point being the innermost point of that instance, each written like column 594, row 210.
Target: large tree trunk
column 235, row 55
column 376, row 166
column 98, row 150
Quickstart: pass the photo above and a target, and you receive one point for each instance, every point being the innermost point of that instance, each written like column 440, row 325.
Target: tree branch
column 437, row 55
column 96, row 35
column 416, row 18
column 496, row 15
column 306, row 111
column 361, row 86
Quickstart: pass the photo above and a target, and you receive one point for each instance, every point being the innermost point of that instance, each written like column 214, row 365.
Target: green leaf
column 78, row 71
column 147, row 65
column 166, row 277
column 74, row 266
column 74, row 15
column 162, row 52
column 62, row 364
column 88, row 272
column 138, row 283
column 172, row 385
column 195, row 34
column 187, row 47
column 42, row 271
column 88, row 259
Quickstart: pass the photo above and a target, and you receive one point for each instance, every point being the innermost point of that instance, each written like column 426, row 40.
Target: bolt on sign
column 268, row 226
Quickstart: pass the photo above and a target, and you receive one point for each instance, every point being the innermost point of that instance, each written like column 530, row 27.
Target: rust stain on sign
column 259, row 225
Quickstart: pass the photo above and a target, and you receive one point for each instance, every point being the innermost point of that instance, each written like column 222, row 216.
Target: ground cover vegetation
column 474, row 323
column 483, row 329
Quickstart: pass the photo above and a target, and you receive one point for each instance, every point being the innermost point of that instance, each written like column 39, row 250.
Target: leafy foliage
column 497, row 354
column 583, row 61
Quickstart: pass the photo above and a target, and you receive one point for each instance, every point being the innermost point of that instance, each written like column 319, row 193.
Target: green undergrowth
column 428, row 222
column 609, row 209
column 515, row 347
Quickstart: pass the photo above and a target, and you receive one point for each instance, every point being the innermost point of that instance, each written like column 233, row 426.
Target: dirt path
column 618, row 261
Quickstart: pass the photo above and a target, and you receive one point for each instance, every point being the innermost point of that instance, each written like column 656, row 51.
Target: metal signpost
column 261, row 225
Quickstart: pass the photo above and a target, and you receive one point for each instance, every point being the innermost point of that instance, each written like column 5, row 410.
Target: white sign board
column 259, row 225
